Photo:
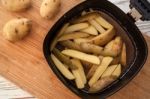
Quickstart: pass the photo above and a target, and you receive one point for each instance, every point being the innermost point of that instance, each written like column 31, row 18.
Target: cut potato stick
column 78, row 79
column 80, row 69
column 91, row 71
column 91, row 48
column 86, row 66
column 80, row 40
column 113, row 48
column 73, row 35
column 100, row 70
column 64, row 59
column 90, row 30
column 103, row 22
column 109, row 71
column 99, row 28
column 71, row 45
column 86, row 17
column 82, row 56
column 117, row 71
column 62, row 68
column 104, row 38
column 76, row 27
column 123, row 55
column 102, row 83
column 59, row 34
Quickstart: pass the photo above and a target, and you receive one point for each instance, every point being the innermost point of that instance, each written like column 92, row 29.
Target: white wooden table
column 10, row 91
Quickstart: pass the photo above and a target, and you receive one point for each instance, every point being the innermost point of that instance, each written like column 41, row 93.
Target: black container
column 136, row 46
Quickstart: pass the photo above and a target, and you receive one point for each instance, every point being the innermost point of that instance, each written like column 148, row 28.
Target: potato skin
column 49, row 8
column 16, row 5
column 16, row 29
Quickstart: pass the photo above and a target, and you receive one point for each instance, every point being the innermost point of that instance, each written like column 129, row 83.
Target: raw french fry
column 123, row 55
column 86, row 66
column 102, row 83
column 76, row 27
column 113, row 48
column 64, row 59
column 78, row 80
column 62, row 68
column 73, row 35
column 80, row 40
column 90, row 30
column 91, row 48
column 86, row 17
column 100, row 70
column 71, row 45
column 104, row 38
column 99, row 28
column 116, row 60
column 82, row 56
column 91, row 71
column 109, row 71
column 59, row 34
column 103, row 22
column 117, row 71
column 80, row 69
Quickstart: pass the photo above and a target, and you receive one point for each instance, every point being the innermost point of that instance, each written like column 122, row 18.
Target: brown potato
column 103, row 38
column 102, row 83
column 116, row 60
column 123, row 55
column 113, row 48
column 91, row 71
column 64, row 59
column 73, row 35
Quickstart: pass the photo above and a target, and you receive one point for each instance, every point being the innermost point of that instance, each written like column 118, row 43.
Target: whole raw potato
column 49, row 8
column 16, row 5
column 16, row 29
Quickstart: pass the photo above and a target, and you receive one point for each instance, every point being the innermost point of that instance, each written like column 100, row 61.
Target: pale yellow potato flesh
column 80, row 70
column 90, row 30
column 82, row 56
column 100, row 70
column 81, row 40
column 117, row 71
column 109, row 71
column 76, row 27
column 95, row 24
column 60, row 66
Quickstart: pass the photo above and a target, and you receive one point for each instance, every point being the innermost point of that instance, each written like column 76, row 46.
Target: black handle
column 143, row 7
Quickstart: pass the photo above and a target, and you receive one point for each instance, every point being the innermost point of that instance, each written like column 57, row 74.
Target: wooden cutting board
column 24, row 64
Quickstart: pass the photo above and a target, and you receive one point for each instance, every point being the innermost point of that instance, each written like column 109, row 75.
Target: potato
column 16, row 29
column 49, row 8
column 16, row 5
column 64, row 59
column 86, row 66
column 82, row 56
column 72, row 35
column 117, row 71
column 62, row 68
column 60, row 33
column 80, row 40
column 100, row 70
column 90, row 30
column 104, row 38
column 109, row 71
column 123, row 55
column 91, row 48
column 113, row 48
column 86, row 17
column 95, row 24
column 80, row 69
column 103, row 22
column 91, row 71
column 102, row 83
column 76, row 27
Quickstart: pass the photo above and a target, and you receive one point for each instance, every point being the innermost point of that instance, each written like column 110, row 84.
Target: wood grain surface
column 24, row 64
